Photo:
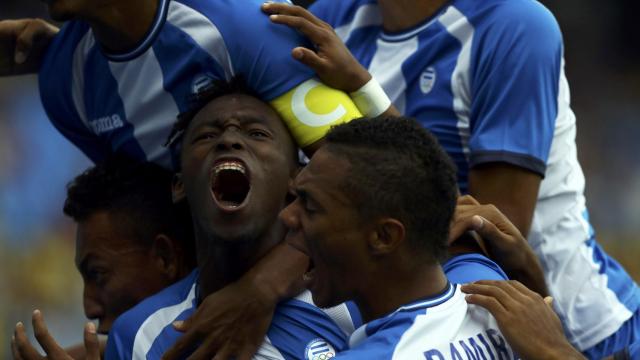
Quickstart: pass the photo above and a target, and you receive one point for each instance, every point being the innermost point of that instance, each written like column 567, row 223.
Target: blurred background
column 602, row 54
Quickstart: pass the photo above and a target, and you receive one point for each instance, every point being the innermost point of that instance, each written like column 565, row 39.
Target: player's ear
column 387, row 236
column 177, row 188
column 166, row 256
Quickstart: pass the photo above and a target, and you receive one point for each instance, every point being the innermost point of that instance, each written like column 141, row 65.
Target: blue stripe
column 100, row 101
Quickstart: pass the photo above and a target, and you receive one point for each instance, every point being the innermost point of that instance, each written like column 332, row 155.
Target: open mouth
column 230, row 184
column 310, row 272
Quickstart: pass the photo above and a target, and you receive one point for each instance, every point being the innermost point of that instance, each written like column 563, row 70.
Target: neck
column 222, row 262
column 400, row 15
column 121, row 25
column 402, row 286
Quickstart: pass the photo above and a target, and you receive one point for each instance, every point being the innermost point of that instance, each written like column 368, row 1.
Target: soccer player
column 237, row 161
column 118, row 73
column 132, row 242
column 373, row 211
column 487, row 78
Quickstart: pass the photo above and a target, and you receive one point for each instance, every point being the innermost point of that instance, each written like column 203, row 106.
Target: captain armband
column 311, row 108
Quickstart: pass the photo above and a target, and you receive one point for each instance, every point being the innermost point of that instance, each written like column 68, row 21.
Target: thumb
column 91, row 343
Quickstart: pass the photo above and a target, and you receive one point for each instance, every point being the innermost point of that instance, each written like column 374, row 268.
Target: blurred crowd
column 36, row 240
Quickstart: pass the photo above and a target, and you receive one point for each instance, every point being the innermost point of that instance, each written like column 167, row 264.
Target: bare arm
column 512, row 189
column 220, row 323
column 23, row 44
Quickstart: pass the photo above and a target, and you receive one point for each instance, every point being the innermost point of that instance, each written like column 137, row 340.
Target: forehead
column 101, row 233
column 238, row 107
column 324, row 175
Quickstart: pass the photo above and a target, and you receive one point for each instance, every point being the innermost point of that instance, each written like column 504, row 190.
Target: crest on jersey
column 319, row 349
column 201, row 83
column 428, row 80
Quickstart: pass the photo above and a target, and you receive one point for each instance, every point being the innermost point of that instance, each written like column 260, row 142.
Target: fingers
column 501, row 291
column 467, row 200
column 309, row 58
column 317, row 34
column 22, row 345
column 209, row 348
column 30, row 35
column 298, row 11
column 461, row 225
column 91, row 343
column 549, row 301
column 48, row 343
column 14, row 349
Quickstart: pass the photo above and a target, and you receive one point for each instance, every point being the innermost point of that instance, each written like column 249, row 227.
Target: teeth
column 229, row 166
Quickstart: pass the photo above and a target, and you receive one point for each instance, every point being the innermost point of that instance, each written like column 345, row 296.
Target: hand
column 505, row 244
column 526, row 320
column 229, row 324
column 23, row 350
column 23, row 44
column 331, row 60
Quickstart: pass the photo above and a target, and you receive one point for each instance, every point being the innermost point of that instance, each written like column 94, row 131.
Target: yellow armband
column 311, row 108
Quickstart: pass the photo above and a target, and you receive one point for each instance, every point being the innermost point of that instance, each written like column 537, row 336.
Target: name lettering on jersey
column 488, row 345
column 319, row 349
column 428, row 80
column 106, row 123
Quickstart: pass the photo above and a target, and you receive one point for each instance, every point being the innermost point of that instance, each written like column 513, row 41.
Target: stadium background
column 602, row 49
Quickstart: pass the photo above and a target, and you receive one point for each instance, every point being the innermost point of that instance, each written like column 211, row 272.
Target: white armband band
column 371, row 99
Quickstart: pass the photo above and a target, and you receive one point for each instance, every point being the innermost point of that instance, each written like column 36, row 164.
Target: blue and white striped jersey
column 299, row 330
column 487, row 78
column 438, row 328
column 106, row 102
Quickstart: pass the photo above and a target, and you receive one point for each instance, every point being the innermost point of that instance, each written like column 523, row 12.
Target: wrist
column 371, row 99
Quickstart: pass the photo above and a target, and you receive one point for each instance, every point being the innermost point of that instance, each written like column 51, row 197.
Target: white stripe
column 459, row 27
column 340, row 314
column 367, row 15
column 77, row 83
column 267, row 351
column 154, row 324
column 404, row 36
column 140, row 84
column 203, row 32
column 386, row 68
column 430, row 302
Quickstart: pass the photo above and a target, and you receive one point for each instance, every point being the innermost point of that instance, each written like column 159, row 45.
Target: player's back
column 128, row 102
column 440, row 327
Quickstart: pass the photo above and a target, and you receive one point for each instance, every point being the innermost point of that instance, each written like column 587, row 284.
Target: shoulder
column 136, row 330
column 527, row 19
column 472, row 267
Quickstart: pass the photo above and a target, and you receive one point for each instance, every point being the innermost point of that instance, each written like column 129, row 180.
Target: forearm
column 279, row 273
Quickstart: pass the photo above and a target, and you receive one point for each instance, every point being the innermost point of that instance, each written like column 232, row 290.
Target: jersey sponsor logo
column 319, row 349
column 106, row 123
column 428, row 79
column 201, row 83
column 310, row 114
column 486, row 345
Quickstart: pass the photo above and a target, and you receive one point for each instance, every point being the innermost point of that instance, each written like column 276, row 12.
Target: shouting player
column 487, row 78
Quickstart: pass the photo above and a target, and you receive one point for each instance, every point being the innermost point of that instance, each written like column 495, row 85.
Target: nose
column 93, row 308
column 288, row 216
column 230, row 139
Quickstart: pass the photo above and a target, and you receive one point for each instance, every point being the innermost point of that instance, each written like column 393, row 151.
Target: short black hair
column 216, row 89
column 398, row 169
column 137, row 194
